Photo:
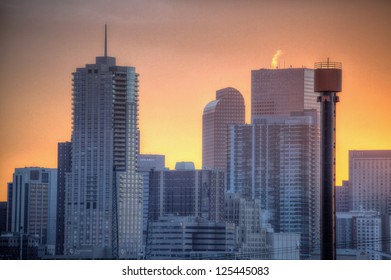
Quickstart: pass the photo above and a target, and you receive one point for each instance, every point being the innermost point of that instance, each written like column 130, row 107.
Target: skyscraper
column 33, row 200
column 276, row 161
column 227, row 109
column 282, row 91
column 103, row 204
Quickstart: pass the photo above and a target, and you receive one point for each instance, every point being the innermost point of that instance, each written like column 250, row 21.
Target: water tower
column 328, row 82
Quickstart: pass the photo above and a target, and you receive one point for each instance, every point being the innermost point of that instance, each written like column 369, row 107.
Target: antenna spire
column 105, row 40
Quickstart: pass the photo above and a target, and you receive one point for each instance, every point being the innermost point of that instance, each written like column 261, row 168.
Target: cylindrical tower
column 328, row 81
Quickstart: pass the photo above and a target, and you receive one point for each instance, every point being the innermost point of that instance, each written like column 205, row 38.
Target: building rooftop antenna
column 105, row 40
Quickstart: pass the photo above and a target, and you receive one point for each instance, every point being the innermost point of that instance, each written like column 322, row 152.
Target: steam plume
column 275, row 58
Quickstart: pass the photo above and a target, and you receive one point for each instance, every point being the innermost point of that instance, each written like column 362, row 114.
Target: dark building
column 64, row 164
column 10, row 248
column 187, row 193
column 9, row 206
column 3, row 217
column 147, row 163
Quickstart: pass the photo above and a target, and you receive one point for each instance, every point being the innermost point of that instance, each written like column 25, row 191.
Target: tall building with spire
column 227, row 109
column 103, row 197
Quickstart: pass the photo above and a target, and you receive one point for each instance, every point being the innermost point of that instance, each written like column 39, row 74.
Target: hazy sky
column 184, row 51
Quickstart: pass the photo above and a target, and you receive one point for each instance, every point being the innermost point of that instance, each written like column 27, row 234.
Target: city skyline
column 184, row 52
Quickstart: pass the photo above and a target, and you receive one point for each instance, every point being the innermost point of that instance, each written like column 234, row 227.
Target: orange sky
column 184, row 51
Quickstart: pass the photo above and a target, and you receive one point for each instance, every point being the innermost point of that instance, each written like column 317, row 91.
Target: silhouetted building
column 64, row 165
column 34, row 205
column 3, row 216
column 103, row 204
column 227, row 109
column 9, row 206
column 10, row 248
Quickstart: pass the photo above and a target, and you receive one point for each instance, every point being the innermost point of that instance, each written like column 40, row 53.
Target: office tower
column 147, row 164
column 343, row 197
column 3, row 216
column 361, row 230
column 276, row 160
column 34, row 204
column 103, row 209
column 187, row 193
column 64, row 164
column 282, row 91
column 179, row 237
column 227, row 109
column 370, row 180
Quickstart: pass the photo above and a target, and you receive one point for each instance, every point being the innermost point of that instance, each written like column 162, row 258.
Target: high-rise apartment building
column 103, row 197
column 64, row 164
column 370, row 180
column 33, row 205
column 227, row 109
column 282, row 91
column 276, row 160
